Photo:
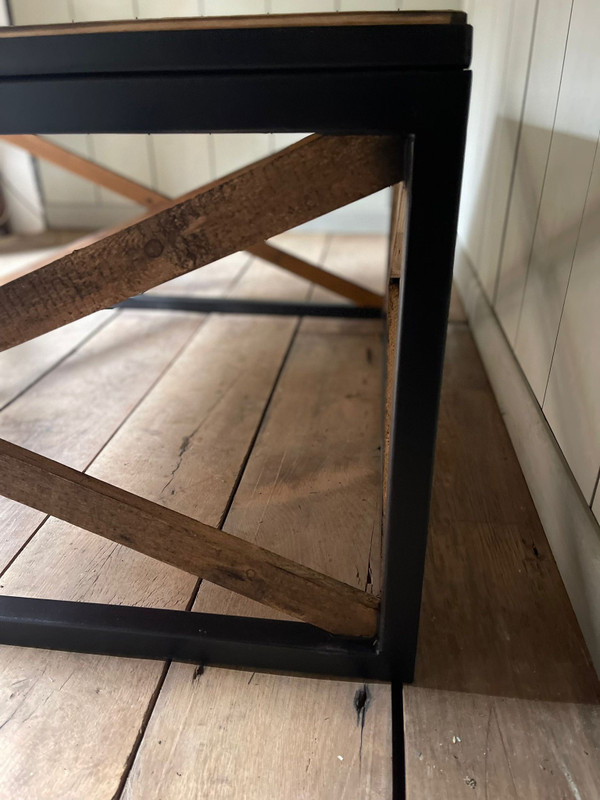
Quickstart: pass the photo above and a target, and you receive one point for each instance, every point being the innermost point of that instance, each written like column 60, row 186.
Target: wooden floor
column 271, row 428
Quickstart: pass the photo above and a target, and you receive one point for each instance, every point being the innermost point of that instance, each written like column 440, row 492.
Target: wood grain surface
column 126, row 187
column 307, row 179
column 183, row 542
column 254, row 21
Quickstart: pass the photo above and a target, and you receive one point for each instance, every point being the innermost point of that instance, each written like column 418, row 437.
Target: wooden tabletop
column 245, row 22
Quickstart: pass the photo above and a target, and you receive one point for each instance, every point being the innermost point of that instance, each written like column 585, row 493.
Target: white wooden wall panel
column 182, row 161
column 572, row 404
column 40, row 12
column 547, row 57
column 281, row 140
column 234, row 150
column 301, row 6
column 126, row 154
column 155, row 9
column 563, row 196
column 432, row 5
column 491, row 22
column 92, row 10
column 59, row 186
column 369, row 5
column 506, row 95
column 218, row 8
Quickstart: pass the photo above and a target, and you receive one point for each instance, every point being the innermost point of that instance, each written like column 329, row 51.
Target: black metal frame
column 408, row 80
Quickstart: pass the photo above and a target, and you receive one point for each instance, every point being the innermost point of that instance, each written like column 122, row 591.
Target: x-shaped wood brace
column 310, row 178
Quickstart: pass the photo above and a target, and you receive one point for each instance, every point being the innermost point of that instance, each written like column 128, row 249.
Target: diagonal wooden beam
column 48, row 151
column 352, row 291
column 42, row 148
column 185, row 543
column 307, row 179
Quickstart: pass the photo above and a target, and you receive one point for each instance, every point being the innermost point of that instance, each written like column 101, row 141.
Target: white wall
column 530, row 217
column 17, row 177
column 530, row 232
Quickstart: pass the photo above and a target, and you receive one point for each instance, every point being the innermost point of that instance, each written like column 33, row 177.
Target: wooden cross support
column 184, row 542
column 47, row 150
column 303, row 181
column 307, row 179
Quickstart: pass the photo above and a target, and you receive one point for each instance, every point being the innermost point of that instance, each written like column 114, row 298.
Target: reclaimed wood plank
column 183, row 542
column 317, row 275
column 305, row 180
column 256, row 21
column 75, row 409
column 126, row 187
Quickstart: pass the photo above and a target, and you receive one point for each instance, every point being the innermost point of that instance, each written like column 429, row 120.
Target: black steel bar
column 242, row 49
column 354, row 102
column 208, row 639
column 226, row 305
column 398, row 742
column 434, row 177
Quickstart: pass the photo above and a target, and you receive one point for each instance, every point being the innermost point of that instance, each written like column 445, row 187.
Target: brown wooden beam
column 352, row 291
column 383, row 156
column 395, row 266
column 42, row 148
column 185, row 543
column 254, row 21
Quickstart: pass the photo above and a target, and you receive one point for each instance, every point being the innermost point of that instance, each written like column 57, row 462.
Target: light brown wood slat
column 43, row 260
column 318, row 275
column 183, row 542
column 391, row 349
column 396, row 249
column 254, row 21
column 303, row 181
column 505, row 702
column 74, row 410
column 395, row 262
column 43, row 148
column 126, row 187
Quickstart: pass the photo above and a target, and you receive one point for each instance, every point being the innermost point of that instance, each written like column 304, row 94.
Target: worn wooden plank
column 255, row 21
column 183, row 542
column 21, row 366
column 391, row 349
column 311, row 489
column 335, row 283
column 397, row 231
column 49, row 151
column 305, row 180
column 395, row 266
column 42, row 148
column 505, row 701
column 73, row 411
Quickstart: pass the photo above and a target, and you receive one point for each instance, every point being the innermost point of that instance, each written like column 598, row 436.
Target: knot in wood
column 153, row 248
